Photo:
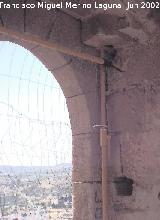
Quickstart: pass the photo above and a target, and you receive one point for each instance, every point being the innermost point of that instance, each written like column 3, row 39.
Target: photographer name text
column 70, row 5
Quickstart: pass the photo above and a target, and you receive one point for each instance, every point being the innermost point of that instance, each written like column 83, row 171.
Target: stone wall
column 133, row 103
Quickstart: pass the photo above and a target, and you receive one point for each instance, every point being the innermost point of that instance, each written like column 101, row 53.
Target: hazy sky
column 34, row 120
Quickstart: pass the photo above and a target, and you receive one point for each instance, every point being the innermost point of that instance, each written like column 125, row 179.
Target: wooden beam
column 50, row 45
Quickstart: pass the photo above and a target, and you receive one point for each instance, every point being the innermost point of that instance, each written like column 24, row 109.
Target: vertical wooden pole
column 104, row 143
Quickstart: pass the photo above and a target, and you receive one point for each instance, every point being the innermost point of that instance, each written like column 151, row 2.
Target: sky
column 34, row 121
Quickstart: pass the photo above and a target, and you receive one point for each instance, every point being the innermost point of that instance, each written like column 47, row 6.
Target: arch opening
column 35, row 138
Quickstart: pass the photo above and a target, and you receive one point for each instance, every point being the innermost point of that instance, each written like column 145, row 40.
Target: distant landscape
column 27, row 189
column 64, row 167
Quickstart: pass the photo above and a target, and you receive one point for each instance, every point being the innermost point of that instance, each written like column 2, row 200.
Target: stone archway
column 79, row 81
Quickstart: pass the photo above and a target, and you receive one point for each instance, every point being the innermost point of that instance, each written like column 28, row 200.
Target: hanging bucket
column 124, row 186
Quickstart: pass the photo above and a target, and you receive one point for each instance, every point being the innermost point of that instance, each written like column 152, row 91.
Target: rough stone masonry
column 133, row 99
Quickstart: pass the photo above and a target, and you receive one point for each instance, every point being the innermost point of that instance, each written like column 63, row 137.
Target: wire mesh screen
column 35, row 140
